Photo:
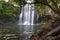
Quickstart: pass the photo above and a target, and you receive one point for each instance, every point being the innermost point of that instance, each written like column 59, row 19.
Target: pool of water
column 17, row 32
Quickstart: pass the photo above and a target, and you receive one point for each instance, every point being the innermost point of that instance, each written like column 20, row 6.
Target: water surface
column 17, row 32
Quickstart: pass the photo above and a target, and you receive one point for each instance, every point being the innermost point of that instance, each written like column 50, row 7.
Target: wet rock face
column 36, row 16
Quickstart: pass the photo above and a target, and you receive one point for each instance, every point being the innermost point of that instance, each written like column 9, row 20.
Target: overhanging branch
column 46, row 5
column 54, row 4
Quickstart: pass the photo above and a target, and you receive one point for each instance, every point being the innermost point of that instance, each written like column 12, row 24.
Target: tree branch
column 46, row 5
column 54, row 4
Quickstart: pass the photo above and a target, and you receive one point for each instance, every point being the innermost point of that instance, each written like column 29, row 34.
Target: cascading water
column 26, row 19
column 27, row 15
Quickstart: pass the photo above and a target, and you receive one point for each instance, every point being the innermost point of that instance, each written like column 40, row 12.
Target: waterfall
column 27, row 16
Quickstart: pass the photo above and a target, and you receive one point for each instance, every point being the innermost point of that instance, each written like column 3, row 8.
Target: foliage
column 7, row 10
column 7, row 7
column 20, row 2
column 53, row 4
column 40, row 7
